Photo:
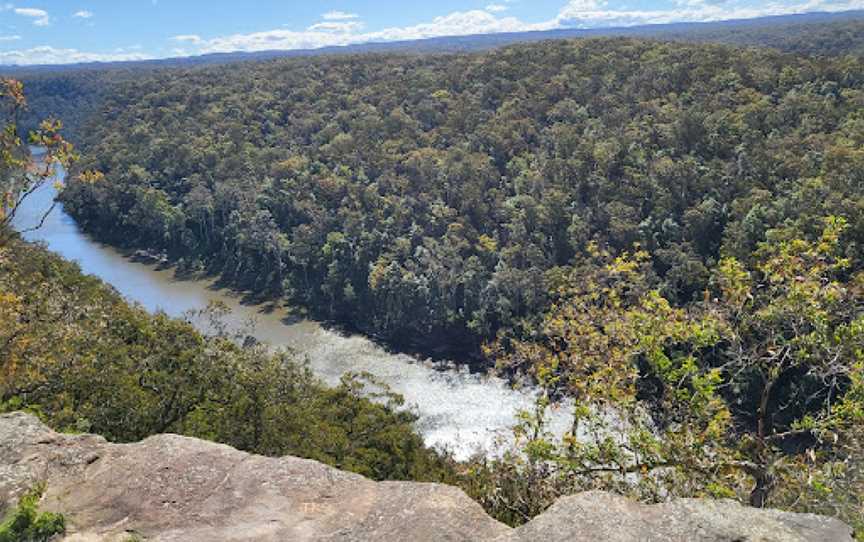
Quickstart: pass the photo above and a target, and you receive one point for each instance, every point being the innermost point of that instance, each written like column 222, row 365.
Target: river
column 466, row 413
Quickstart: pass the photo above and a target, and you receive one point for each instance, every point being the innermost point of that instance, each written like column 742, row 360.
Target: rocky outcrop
column 171, row 488
column 602, row 516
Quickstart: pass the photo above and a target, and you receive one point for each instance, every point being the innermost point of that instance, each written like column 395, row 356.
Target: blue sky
column 65, row 31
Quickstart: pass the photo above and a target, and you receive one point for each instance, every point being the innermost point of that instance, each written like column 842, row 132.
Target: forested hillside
column 668, row 235
column 74, row 92
column 424, row 198
column 70, row 97
column 73, row 351
column 834, row 34
column 76, row 353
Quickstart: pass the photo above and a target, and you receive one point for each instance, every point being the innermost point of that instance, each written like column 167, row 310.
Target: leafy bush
column 26, row 524
column 74, row 352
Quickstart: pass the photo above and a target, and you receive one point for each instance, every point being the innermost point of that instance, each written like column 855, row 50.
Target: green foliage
column 83, row 359
column 19, row 175
column 754, row 392
column 433, row 201
column 26, row 524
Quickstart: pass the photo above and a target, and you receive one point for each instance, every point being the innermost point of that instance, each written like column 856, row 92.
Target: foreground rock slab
column 602, row 516
column 171, row 488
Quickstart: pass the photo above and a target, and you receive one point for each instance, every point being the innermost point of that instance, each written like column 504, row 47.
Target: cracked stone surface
column 171, row 488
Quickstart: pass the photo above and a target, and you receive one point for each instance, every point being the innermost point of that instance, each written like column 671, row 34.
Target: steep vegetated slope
column 73, row 351
column 71, row 97
column 444, row 200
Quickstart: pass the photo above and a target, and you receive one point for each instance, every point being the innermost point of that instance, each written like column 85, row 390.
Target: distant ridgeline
column 74, row 92
column 440, row 200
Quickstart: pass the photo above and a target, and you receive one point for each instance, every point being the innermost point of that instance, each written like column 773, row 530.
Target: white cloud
column 496, row 8
column 46, row 54
column 340, row 28
column 339, row 16
column 137, row 47
column 31, row 12
column 191, row 38
column 40, row 16
column 460, row 24
column 584, row 5
column 328, row 34
column 10, row 38
column 336, row 26
column 595, row 14
column 83, row 14
column 575, row 14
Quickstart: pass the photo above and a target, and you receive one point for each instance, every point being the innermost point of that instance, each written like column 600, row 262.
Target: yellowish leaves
column 90, row 176
column 9, row 304
column 487, row 244
column 50, row 125
column 850, row 412
column 627, row 264
column 14, row 91
column 735, row 283
column 378, row 273
column 593, row 250
column 10, row 313
column 606, row 336
column 290, row 166
column 719, row 424
column 21, row 174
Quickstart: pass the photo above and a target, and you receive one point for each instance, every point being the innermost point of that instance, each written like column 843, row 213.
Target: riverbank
column 463, row 412
column 446, row 350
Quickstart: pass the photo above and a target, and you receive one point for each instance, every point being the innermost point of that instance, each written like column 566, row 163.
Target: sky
column 69, row 31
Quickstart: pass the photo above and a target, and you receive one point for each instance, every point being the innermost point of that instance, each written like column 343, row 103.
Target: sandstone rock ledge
column 170, row 488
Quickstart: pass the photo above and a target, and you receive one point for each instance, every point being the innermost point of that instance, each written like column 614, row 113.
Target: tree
column 793, row 365
column 20, row 176
column 734, row 396
column 643, row 402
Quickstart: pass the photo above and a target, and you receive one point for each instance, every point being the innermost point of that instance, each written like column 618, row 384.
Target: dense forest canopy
column 73, row 93
column 419, row 198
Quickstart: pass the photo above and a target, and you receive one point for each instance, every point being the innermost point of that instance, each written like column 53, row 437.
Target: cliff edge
column 171, row 488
